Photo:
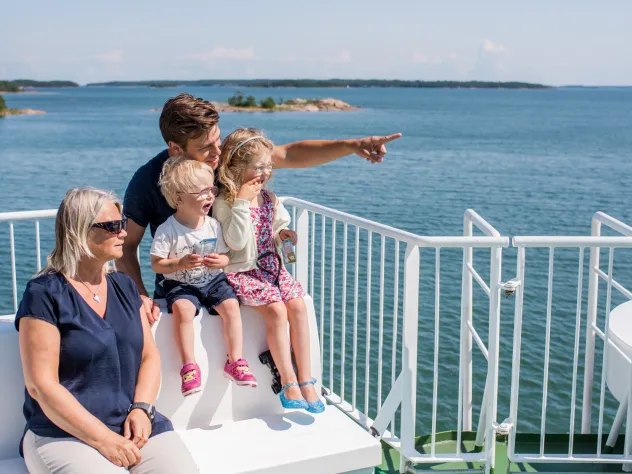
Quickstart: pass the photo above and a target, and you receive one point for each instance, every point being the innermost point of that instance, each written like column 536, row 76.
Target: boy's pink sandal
column 239, row 372
column 191, row 379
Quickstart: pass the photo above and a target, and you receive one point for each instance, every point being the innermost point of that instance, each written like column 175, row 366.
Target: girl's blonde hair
column 75, row 216
column 179, row 175
column 232, row 164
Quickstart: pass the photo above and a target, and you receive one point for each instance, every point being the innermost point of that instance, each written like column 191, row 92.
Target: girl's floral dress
column 257, row 287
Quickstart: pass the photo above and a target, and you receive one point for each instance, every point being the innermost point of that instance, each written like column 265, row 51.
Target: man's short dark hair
column 186, row 117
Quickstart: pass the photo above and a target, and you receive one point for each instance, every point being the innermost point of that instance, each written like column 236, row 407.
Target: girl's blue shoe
column 313, row 407
column 292, row 404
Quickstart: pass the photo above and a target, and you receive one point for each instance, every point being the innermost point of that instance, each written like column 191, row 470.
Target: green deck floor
column 526, row 443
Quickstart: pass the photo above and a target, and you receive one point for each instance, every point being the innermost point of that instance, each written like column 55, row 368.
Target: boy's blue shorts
column 209, row 296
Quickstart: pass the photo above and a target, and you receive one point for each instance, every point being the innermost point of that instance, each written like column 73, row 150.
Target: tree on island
column 238, row 100
column 8, row 86
column 3, row 104
column 267, row 103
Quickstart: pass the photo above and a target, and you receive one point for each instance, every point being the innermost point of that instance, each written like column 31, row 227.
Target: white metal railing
column 371, row 409
column 11, row 218
column 372, row 377
column 595, row 242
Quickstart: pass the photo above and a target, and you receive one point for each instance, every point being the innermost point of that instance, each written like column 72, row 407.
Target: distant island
column 4, row 110
column 20, row 84
column 239, row 103
column 337, row 83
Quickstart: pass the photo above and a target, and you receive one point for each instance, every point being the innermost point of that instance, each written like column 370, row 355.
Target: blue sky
column 553, row 42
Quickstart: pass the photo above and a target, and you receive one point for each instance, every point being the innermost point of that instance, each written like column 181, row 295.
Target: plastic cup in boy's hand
column 189, row 261
column 250, row 189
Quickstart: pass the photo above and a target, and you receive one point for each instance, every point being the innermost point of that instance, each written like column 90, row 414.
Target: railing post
column 302, row 247
column 409, row 352
column 13, row 271
column 589, row 359
column 466, row 319
column 493, row 352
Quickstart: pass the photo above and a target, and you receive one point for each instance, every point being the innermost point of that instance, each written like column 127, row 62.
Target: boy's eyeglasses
column 261, row 169
column 113, row 227
column 207, row 193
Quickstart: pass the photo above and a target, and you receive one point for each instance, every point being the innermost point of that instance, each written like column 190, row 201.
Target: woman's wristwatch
column 150, row 410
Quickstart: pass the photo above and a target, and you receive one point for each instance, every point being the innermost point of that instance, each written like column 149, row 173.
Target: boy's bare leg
column 183, row 314
column 228, row 310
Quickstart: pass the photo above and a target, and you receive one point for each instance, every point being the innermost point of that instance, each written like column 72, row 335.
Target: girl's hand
column 137, row 427
column 288, row 234
column 190, row 261
column 215, row 261
column 250, row 189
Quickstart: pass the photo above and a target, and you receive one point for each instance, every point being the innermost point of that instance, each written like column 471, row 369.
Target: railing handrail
column 27, row 215
column 614, row 224
column 571, row 241
column 484, row 226
column 398, row 234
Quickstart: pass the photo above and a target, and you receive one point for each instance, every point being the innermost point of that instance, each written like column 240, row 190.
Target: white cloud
column 224, row 53
column 492, row 48
column 419, row 57
column 490, row 65
column 112, row 56
column 343, row 56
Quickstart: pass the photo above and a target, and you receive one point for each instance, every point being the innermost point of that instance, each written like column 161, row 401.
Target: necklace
column 95, row 295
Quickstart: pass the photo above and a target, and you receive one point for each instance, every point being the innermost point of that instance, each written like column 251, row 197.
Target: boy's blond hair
column 179, row 176
column 233, row 163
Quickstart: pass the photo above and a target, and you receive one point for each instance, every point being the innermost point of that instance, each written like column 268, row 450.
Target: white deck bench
column 228, row 429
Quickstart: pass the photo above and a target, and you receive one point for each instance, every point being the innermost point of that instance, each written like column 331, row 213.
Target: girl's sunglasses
column 113, row 227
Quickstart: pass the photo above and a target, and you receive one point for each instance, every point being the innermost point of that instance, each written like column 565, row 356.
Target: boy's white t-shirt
column 174, row 240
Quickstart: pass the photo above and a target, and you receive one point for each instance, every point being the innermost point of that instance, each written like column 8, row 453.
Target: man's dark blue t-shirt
column 145, row 204
column 99, row 358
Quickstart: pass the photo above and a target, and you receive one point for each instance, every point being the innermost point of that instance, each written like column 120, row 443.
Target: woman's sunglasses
column 113, row 227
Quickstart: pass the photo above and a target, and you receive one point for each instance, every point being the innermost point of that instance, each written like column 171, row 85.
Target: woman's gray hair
column 75, row 216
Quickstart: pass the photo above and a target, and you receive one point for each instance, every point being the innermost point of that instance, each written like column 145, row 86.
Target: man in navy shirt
column 190, row 127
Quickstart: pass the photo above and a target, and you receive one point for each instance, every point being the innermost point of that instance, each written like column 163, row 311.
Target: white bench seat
column 294, row 442
column 228, row 429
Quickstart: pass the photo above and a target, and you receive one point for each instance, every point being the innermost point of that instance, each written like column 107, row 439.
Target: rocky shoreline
column 294, row 105
column 7, row 112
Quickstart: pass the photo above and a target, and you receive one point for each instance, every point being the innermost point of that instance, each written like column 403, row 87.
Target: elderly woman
column 91, row 366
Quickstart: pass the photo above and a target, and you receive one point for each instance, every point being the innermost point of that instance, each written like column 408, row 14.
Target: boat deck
column 525, row 443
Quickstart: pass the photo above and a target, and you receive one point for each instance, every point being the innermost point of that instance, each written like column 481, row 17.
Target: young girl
column 189, row 250
column 254, row 223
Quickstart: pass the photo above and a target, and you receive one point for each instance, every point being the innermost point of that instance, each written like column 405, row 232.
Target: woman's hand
column 119, row 450
column 137, row 427
column 250, row 189
column 288, row 234
column 190, row 261
column 151, row 308
column 215, row 260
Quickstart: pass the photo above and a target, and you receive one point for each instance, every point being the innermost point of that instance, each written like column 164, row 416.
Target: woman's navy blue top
column 99, row 358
